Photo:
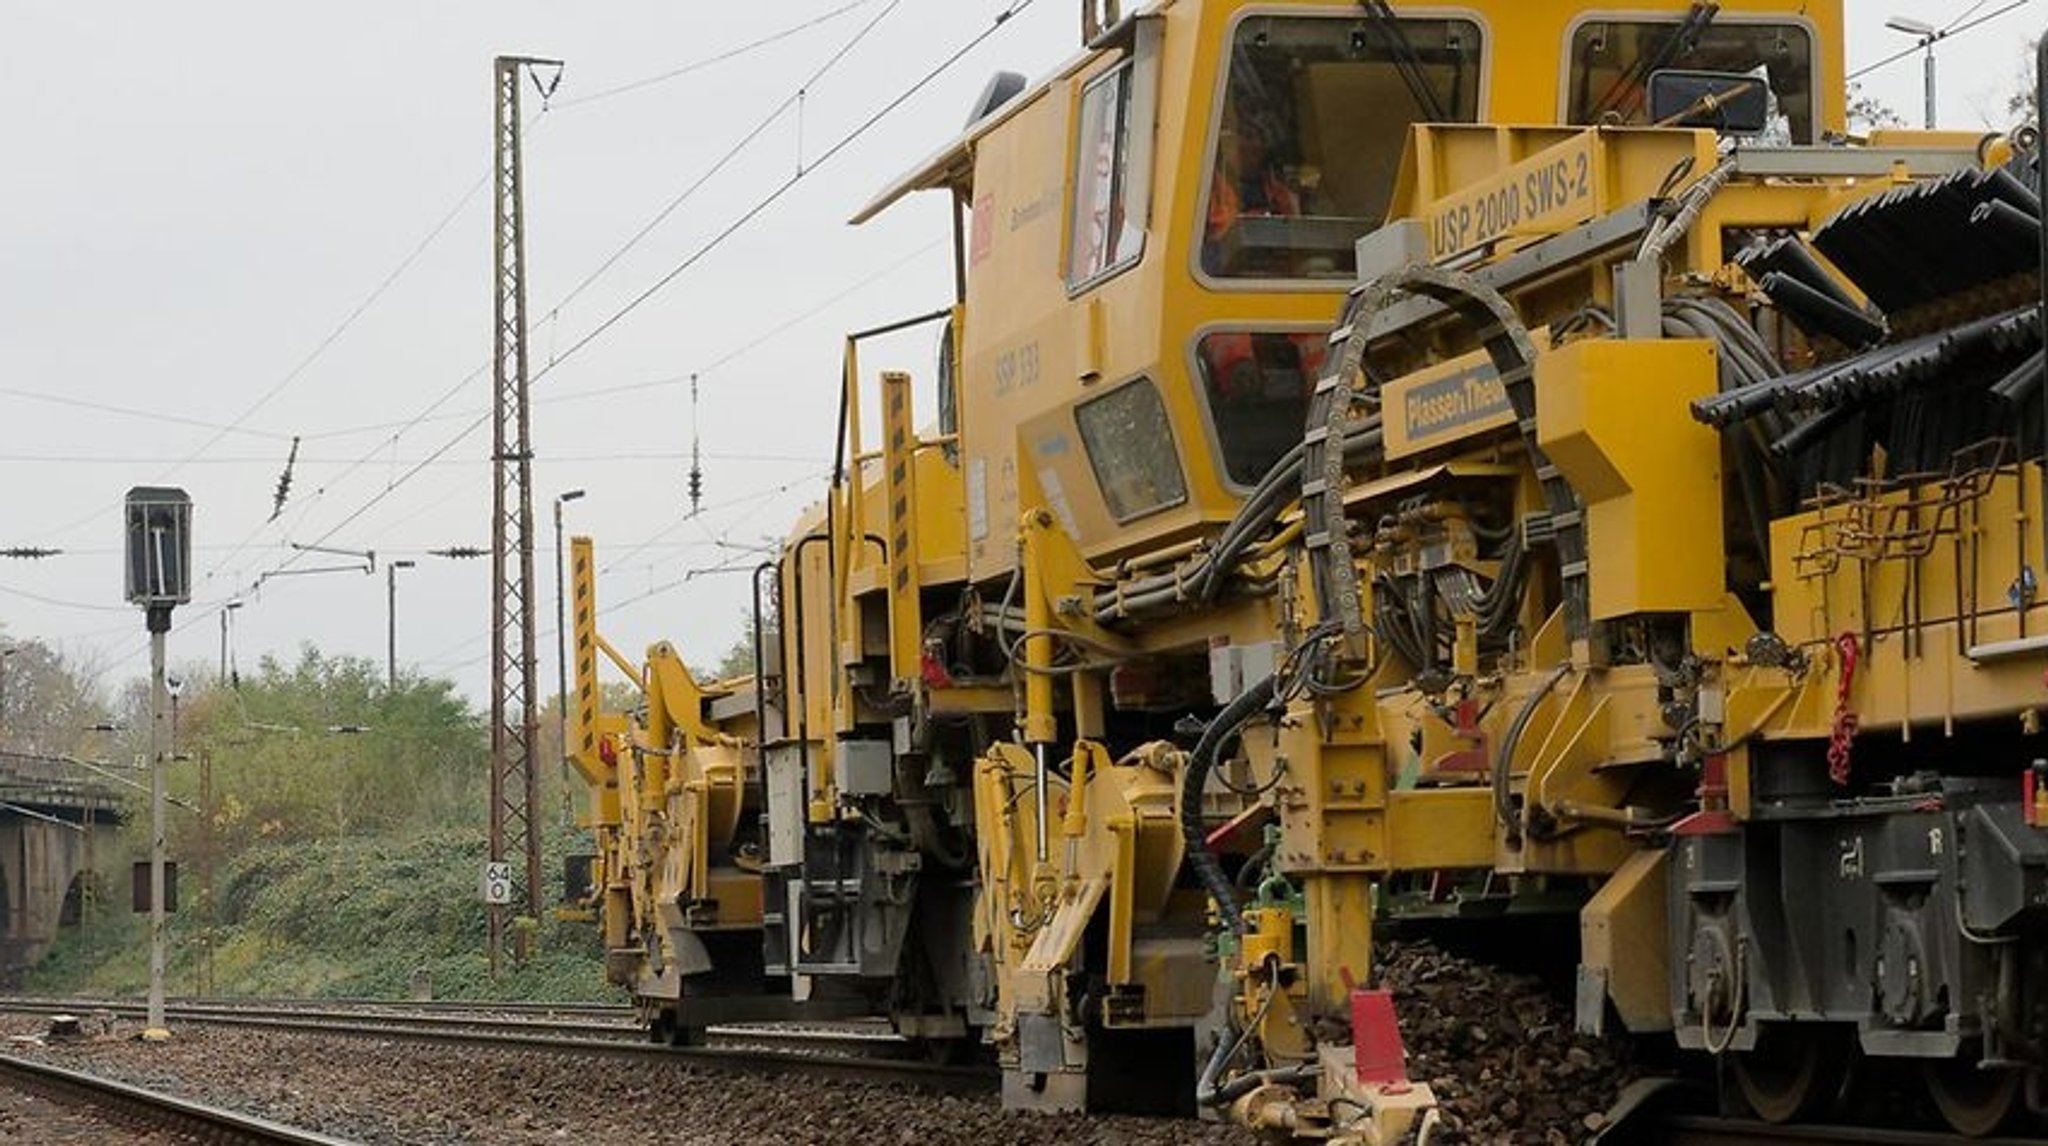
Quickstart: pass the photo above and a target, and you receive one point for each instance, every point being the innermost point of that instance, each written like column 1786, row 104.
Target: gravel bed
column 28, row 1117
column 1499, row 1051
column 395, row 1093
column 1496, row 1047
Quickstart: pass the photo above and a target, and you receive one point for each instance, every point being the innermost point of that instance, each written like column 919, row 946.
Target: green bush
column 342, row 863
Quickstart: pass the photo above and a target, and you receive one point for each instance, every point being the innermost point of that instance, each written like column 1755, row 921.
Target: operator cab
column 1153, row 242
column 1298, row 176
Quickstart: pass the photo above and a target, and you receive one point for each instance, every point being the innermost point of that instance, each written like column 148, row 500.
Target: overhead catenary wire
column 207, row 610
column 714, row 366
column 1941, row 34
column 320, row 349
column 704, row 249
column 717, row 58
column 592, row 457
column 723, row 161
column 781, row 189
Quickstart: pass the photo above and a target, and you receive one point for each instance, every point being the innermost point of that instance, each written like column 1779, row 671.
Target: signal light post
column 159, row 578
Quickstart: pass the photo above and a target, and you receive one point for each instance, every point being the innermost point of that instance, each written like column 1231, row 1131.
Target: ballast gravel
column 1497, row 1049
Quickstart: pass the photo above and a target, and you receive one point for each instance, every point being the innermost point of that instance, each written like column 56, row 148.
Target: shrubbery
column 345, row 821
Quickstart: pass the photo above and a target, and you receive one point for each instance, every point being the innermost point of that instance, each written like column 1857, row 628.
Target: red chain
column 1839, row 742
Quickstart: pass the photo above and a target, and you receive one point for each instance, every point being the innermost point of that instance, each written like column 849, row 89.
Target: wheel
column 682, row 1036
column 661, row 1028
column 1795, row 1071
column 1975, row 1101
column 948, row 1052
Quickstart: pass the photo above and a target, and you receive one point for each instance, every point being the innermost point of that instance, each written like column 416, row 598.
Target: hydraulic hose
column 1201, row 762
column 1504, row 759
column 1211, row 1090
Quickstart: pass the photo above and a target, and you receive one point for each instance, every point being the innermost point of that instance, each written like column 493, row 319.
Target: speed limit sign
column 497, row 885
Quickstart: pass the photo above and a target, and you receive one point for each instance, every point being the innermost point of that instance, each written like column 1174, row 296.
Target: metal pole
column 514, row 783
column 159, row 624
column 391, row 621
column 391, row 626
column 222, row 679
column 2041, row 101
column 1040, row 801
column 206, row 909
column 1930, row 83
column 562, row 656
column 562, row 664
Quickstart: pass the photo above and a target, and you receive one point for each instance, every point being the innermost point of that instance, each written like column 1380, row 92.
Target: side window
column 1130, row 447
column 1108, row 224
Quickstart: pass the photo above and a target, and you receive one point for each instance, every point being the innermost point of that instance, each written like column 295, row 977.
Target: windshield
column 1298, row 172
column 1612, row 61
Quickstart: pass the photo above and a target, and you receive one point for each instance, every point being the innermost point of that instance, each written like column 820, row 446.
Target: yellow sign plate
column 1445, row 403
column 1549, row 191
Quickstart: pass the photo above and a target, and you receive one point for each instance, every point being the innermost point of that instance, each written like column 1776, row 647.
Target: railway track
column 212, row 1124
column 1697, row 1130
column 848, row 1053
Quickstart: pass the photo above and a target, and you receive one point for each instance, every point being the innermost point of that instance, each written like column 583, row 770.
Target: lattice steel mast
column 514, row 719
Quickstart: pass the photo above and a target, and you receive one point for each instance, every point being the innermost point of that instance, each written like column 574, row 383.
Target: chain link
column 1840, row 741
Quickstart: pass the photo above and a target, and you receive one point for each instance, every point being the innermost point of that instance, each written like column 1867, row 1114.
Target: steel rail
column 46, row 1003
column 856, row 1057
column 874, row 1040
column 911, row 1074
column 126, row 1102
column 1699, row 1130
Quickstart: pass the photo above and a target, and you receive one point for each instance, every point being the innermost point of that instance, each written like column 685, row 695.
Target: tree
column 2022, row 105
column 738, row 660
column 1868, row 113
column 325, row 748
column 47, row 701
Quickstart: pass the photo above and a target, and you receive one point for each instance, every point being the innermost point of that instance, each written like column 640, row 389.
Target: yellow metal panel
column 1435, row 828
column 899, row 485
column 1481, row 186
column 1614, row 416
column 1622, row 933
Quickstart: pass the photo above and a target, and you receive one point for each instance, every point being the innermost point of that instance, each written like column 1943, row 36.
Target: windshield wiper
column 1627, row 91
column 1407, row 62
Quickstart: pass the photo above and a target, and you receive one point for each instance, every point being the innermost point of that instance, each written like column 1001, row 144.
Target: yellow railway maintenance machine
column 1334, row 506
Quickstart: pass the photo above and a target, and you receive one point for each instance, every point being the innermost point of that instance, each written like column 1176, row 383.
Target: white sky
column 194, row 197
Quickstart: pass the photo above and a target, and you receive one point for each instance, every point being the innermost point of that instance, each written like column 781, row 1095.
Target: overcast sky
column 224, row 225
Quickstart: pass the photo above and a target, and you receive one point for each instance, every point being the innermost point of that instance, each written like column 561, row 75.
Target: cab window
column 1130, row 448
column 1315, row 118
column 1257, row 386
column 1107, row 229
column 1612, row 61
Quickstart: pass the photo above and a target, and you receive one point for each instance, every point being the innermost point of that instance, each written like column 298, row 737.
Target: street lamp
column 1927, row 34
column 391, row 617
column 226, row 611
column 562, row 650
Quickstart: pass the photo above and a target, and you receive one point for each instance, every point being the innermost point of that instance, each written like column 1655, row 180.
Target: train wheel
column 661, row 1027
column 1794, row 1072
column 1974, row 1101
column 948, row 1052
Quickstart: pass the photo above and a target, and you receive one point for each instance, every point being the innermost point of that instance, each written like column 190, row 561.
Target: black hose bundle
column 1220, row 732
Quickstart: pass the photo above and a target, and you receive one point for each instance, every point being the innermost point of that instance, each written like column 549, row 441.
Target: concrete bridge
column 57, row 844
